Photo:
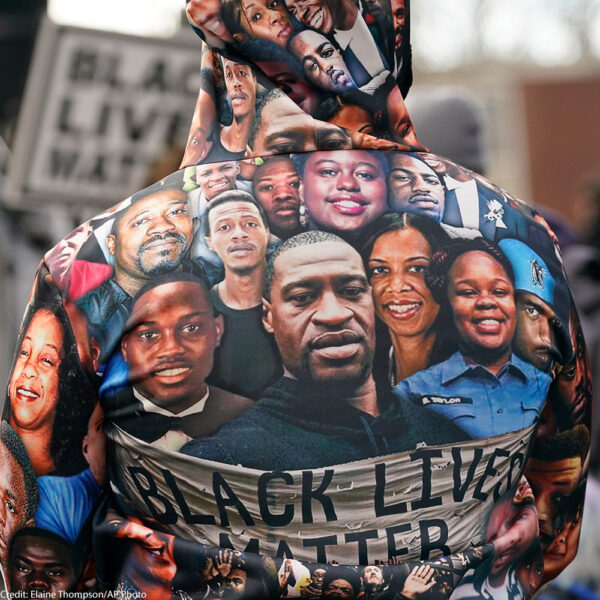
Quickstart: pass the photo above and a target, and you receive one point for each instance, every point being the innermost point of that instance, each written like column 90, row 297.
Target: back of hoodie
column 316, row 361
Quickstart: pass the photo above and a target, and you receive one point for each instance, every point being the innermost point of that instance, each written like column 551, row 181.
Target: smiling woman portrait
column 43, row 381
column 474, row 280
column 257, row 19
column 397, row 255
column 343, row 192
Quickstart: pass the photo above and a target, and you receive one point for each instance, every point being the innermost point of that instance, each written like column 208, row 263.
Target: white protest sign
column 99, row 109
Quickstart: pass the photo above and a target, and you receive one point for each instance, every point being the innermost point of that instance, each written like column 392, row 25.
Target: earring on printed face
column 303, row 218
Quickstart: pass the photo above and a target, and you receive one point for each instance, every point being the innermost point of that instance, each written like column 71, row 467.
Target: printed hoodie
column 315, row 361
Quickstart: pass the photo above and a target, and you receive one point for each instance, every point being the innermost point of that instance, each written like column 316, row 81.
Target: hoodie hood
column 302, row 75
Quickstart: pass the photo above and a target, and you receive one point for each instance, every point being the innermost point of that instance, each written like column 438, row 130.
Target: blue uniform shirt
column 481, row 403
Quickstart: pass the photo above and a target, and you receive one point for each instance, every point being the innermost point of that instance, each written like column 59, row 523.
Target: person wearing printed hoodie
column 330, row 465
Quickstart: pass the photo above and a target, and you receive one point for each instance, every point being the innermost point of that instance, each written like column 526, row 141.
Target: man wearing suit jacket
column 172, row 333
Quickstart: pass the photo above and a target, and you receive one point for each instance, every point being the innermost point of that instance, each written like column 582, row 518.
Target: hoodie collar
column 305, row 403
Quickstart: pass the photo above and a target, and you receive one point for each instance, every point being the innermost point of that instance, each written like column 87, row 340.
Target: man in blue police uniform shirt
column 483, row 387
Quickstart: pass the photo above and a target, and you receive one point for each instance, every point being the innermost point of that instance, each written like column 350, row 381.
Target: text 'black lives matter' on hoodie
column 316, row 361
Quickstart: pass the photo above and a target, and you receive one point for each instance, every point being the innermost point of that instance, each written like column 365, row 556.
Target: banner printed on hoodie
column 412, row 505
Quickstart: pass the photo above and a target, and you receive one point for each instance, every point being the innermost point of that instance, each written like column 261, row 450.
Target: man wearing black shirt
column 247, row 360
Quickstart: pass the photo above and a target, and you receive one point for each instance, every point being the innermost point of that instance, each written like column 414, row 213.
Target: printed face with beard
column 241, row 88
column 323, row 63
column 152, row 236
column 238, row 235
column 373, row 576
column 535, row 338
column 415, row 188
column 321, row 314
column 276, row 186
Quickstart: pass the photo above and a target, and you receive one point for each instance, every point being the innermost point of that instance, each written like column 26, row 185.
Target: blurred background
column 510, row 88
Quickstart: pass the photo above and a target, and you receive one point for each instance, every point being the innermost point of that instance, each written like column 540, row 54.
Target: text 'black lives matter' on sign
column 99, row 109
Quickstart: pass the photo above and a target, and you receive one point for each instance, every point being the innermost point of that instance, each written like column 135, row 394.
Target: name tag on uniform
column 425, row 400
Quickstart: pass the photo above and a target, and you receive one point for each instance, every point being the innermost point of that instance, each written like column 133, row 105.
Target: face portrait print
column 281, row 128
column 318, row 575
column 267, row 20
column 94, row 446
column 415, row 187
column 530, row 570
column 276, row 186
column 321, row 314
column 291, row 82
column 341, row 583
column 263, row 19
column 312, row 13
column 18, row 490
column 238, row 235
column 539, row 330
column 563, row 548
column 206, row 15
column 554, row 472
column 151, row 237
column 40, row 563
column 235, row 585
column 323, row 63
column 338, row 589
column 170, row 344
column 343, row 191
column 535, row 338
column 151, row 565
column 481, row 297
column 241, row 88
column 214, row 178
column 357, row 120
column 397, row 267
column 380, row 9
column 33, row 387
column 372, row 576
column 197, row 147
